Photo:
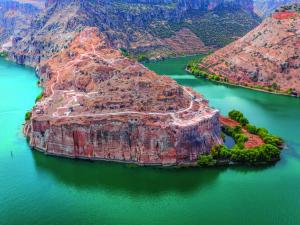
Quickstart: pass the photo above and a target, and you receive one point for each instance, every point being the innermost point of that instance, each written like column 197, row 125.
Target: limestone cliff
column 98, row 104
column 267, row 57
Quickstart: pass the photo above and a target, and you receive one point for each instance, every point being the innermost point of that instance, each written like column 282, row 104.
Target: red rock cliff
column 98, row 104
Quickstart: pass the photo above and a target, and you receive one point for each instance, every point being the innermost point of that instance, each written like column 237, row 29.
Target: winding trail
column 74, row 98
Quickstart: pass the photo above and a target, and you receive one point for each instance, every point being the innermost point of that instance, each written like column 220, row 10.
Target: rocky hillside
column 266, row 58
column 146, row 29
column 15, row 19
column 265, row 8
column 98, row 104
column 37, row 3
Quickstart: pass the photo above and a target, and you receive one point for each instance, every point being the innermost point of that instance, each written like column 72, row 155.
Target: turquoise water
column 36, row 189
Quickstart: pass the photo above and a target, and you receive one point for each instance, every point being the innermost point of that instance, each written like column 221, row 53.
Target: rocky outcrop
column 98, row 104
column 265, row 8
column 37, row 3
column 268, row 57
column 186, row 42
column 15, row 20
column 141, row 27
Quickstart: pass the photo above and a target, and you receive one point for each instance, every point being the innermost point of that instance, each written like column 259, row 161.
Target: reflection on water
column 39, row 189
column 121, row 178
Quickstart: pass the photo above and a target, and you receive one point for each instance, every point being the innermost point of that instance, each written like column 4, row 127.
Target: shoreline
column 242, row 86
column 192, row 165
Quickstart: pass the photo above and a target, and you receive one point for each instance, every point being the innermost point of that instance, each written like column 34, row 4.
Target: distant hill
column 37, row 3
column 264, row 8
column 15, row 19
column 266, row 58
column 142, row 28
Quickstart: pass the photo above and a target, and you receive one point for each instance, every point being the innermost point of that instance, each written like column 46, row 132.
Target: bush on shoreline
column 206, row 160
column 4, row 54
column 39, row 97
column 194, row 69
column 28, row 116
column 267, row 153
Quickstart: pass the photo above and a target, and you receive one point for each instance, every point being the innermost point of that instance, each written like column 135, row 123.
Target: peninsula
column 97, row 104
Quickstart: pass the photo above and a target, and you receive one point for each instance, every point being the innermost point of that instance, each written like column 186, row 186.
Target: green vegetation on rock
column 206, row 160
column 193, row 68
column 27, row 116
column 4, row 54
column 239, row 117
column 39, row 97
column 219, row 27
column 267, row 153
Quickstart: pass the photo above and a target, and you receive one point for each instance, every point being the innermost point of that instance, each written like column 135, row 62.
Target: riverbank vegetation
column 141, row 57
column 27, row 116
column 4, row 54
column 193, row 68
column 268, row 152
column 39, row 97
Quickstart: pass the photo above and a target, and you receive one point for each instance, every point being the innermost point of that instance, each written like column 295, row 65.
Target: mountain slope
column 151, row 29
column 267, row 57
column 37, row 3
column 264, row 8
column 15, row 19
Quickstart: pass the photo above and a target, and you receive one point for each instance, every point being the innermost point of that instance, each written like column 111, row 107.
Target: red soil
column 253, row 140
column 228, row 122
column 284, row 15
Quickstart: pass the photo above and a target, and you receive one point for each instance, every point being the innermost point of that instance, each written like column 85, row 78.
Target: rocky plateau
column 99, row 105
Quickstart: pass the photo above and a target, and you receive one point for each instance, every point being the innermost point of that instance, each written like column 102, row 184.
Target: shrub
column 124, row 52
column 238, row 116
column 39, row 97
column 275, row 86
column 236, row 134
column 261, row 154
column 237, row 129
column 206, row 160
column 262, row 132
column 251, row 128
column 4, row 54
column 220, row 152
column 273, row 140
column 244, row 121
column 235, row 115
column 240, row 138
column 142, row 58
column 27, row 116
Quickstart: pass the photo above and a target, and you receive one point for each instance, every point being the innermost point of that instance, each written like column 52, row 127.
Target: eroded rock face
column 265, row 8
column 98, row 104
column 268, row 56
column 15, row 19
column 152, row 28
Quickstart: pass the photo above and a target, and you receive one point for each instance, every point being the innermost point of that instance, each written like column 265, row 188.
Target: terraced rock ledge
column 99, row 105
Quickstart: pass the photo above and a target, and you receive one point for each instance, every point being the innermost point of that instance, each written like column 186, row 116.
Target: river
column 38, row 189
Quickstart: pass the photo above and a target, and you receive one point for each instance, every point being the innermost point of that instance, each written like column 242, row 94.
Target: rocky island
column 97, row 104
